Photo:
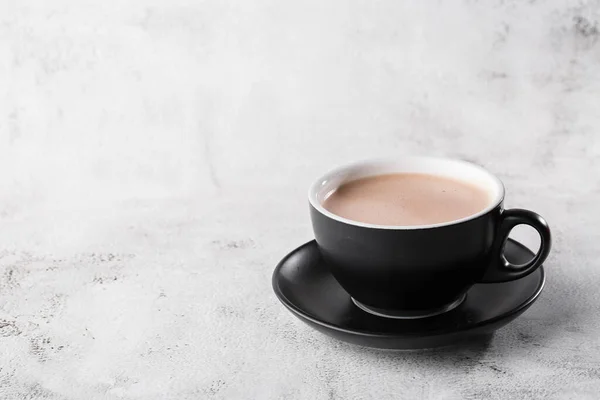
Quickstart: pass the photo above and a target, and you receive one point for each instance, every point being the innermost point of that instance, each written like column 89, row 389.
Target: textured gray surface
column 154, row 160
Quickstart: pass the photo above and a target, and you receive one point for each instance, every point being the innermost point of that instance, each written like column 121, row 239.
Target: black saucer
column 303, row 284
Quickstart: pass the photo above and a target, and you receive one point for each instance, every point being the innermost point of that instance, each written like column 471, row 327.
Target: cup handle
column 500, row 269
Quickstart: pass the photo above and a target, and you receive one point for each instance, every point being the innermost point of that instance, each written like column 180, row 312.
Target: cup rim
column 315, row 203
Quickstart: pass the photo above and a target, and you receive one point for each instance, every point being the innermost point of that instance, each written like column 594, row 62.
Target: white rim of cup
column 330, row 181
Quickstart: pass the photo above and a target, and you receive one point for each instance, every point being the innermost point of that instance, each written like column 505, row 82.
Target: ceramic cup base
column 409, row 314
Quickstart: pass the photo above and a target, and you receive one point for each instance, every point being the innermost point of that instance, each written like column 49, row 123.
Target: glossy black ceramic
column 423, row 270
column 303, row 283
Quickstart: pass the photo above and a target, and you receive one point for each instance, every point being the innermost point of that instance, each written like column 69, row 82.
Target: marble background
column 154, row 161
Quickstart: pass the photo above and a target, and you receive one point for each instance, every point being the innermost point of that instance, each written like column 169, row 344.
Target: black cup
column 417, row 271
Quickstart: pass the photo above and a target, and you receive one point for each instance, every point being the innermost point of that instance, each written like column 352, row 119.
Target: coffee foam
column 406, row 199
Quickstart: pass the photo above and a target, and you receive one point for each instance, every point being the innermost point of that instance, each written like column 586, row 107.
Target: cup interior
column 455, row 169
